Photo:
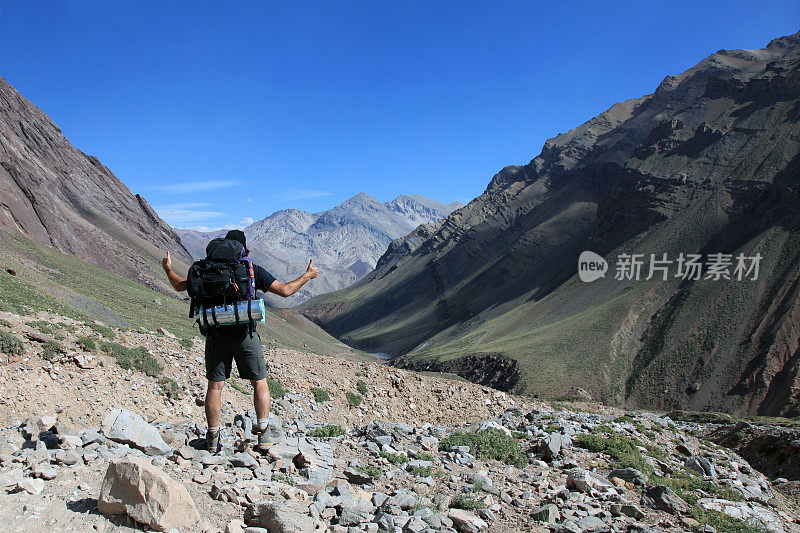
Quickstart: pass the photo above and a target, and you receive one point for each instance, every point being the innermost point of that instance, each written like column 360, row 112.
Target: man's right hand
column 166, row 262
column 311, row 271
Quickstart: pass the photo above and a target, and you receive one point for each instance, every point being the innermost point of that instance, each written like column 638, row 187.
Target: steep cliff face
column 56, row 194
column 345, row 242
column 706, row 164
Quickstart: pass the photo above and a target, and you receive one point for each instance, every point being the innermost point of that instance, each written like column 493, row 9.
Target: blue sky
column 220, row 113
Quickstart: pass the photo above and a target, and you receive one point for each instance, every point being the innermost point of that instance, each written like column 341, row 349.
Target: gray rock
column 665, row 499
column 415, row 525
column 385, row 521
column 91, row 436
column 630, row 475
column 244, row 460
column 586, row 481
column 547, row 513
column 592, row 523
column 701, row 465
column 44, row 471
column 279, row 517
column 66, row 457
column 11, row 478
column 125, row 426
column 466, row 522
column 356, row 512
column 405, row 500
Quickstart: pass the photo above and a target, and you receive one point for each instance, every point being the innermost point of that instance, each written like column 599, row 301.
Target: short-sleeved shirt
column 263, row 278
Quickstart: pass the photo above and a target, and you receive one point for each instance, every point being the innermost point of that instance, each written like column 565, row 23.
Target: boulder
column 665, row 499
column 125, row 426
column 547, row 513
column 147, row 494
column 585, row 481
column 279, row 517
column 467, row 522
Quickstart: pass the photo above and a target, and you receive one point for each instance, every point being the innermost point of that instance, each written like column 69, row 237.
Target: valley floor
column 417, row 453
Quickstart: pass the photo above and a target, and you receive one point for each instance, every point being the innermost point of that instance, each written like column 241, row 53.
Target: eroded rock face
column 57, row 195
column 147, row 494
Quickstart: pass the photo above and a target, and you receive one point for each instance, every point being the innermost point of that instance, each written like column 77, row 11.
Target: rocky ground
column 86, row 445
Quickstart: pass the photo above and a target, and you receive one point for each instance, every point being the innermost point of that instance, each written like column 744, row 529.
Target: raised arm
column 178, row 282
column 287, row 289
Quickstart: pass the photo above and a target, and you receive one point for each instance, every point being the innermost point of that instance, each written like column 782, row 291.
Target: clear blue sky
column 220, row 111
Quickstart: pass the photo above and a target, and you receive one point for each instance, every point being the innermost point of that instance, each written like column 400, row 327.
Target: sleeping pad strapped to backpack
column 223, row 278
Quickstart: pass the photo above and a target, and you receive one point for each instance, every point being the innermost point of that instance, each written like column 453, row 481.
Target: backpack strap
column 252, row 323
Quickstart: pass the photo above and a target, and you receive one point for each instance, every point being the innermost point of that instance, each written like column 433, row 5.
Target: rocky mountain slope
column 345, row 242
column 57, row 195
column 90, row 442
column 707, row 164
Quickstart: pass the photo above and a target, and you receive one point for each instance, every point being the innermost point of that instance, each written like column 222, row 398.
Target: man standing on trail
column 234, row 342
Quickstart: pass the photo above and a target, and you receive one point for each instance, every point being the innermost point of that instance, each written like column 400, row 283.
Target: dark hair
column 237, row 235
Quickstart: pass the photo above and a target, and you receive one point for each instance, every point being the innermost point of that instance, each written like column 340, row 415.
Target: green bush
column 726, row 524
column 186, row 343
column 371, row 471
column 86, row 343
column 361, row 387
column 239, row 386
column 354, row 399
column 105, row 331
column 276, row 390
column 283, row 478
column 170, row 388
column 327, row 431
column 488, row 444
column 320, row 395
column 421, row 471
column 42, row 325
column 52, row 349
column 461, row 501
column 623, row 450
column 684, row 484
column 395, row 458
column 422, row 456
column 137, row 358
column 5, row 323
column 10, row 345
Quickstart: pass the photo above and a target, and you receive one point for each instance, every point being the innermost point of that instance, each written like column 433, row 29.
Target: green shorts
column 223, row 347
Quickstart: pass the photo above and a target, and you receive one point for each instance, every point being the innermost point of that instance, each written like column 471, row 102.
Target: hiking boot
column 212, row 441
column 270, row 435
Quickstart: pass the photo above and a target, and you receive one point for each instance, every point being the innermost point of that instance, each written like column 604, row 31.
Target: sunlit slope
column 48, row 279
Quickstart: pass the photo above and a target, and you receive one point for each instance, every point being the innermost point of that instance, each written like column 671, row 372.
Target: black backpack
column 224, row 277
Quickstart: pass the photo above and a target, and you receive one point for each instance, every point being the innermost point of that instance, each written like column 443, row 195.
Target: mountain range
column 707, row 164
column 345, row 241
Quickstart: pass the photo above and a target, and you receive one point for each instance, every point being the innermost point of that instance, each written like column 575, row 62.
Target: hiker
column 237, row 342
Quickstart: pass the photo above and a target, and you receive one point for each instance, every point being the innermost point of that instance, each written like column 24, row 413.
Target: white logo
column 591, row 266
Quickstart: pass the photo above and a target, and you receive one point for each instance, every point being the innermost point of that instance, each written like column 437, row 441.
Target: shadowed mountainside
column 708, row 163
column 54, row 193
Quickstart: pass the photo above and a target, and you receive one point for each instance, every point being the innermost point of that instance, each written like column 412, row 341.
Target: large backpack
column 225, row 277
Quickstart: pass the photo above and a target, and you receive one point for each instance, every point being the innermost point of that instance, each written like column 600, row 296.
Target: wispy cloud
column 204, row 228
column 301, row 194
column 184, row 206
column 184, row 217
column 195, row 186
